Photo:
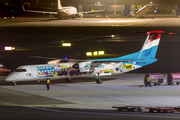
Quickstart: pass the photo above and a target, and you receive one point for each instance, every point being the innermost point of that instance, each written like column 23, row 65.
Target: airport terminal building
column 113, row 8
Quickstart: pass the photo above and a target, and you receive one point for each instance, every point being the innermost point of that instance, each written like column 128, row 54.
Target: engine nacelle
column 79, row 15
column 85, row 66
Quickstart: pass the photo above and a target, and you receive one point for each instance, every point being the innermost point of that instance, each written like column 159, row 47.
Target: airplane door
column 16, row 76
column 34, row 73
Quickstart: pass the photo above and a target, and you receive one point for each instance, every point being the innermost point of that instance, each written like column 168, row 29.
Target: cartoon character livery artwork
column 58, row 69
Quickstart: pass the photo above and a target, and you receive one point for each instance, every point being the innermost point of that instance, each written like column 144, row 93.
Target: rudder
column 150, row 46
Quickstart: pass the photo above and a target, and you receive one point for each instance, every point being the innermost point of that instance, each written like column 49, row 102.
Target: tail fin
column 59, row 4
column 150, row 46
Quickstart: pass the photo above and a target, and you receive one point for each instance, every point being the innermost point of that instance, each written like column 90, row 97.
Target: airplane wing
column 44, row 12
column 91, row 11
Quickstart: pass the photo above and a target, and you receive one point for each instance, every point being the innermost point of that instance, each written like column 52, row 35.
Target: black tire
column 99, row 81
column 177, row 83
column 164, row 111
column 150, row 110
column 14, row 83
column 158, row 111
column 60, row 18
column 68, row 80
column 169, row 83
column 155, row 84
column 119, row 109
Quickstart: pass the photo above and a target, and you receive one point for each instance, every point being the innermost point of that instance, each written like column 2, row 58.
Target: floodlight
column 8, row 48
column 88, row 53
column 95, row 53
column 100, row 52
column 66, row 44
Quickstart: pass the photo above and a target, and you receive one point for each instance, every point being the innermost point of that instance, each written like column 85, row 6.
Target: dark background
column 64, row 2
column 44, row 41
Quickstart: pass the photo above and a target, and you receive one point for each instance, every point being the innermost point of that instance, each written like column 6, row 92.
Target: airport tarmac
column 87, row 100
column 115, row 91
column 121, row 22
column 85, row 94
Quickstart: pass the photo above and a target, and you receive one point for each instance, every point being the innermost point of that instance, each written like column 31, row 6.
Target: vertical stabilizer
column 150, row 46
column 59, row 4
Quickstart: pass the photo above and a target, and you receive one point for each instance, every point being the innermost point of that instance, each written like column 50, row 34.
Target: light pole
column 37, row 1
column 115, row 6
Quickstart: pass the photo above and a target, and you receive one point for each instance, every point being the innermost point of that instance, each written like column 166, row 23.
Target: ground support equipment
column 128, row 108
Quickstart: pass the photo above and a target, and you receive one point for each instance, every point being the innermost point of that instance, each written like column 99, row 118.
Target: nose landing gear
column 14, row 83
column 98, row 81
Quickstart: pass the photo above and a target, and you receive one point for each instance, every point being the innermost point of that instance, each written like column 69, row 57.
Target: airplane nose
column 9, row 78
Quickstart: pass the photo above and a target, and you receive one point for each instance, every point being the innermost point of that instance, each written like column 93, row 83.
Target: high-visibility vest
column 48, row 82
column 148, row 79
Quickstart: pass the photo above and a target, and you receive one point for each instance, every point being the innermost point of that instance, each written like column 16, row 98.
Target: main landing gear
column 68, row 79
column 98, row 81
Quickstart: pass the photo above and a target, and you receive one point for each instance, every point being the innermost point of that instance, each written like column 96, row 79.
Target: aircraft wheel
column 14, row 83
column 99, row 81
column 150, row 110
column 68, row 79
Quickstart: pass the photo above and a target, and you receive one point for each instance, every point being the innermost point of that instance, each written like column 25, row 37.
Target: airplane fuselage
column 65, row 70
column 58, row 69
column 69, row 12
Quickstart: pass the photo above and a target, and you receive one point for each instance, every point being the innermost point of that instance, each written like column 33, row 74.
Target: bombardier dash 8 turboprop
column 58, row 69
column 64, row 12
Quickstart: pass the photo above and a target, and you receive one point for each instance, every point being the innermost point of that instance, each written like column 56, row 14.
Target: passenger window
column 23, row 70
column 20, row 70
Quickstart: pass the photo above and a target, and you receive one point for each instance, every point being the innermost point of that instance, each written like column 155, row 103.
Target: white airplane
column 64, row 12
column 58, row 69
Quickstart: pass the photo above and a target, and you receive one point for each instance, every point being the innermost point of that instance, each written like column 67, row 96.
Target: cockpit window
column 20, row 70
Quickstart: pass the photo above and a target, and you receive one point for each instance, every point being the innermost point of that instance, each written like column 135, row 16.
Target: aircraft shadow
column 74, row 80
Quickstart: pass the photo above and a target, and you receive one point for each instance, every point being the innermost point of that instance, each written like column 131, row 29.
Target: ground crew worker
column 148, row 81
column 48, row 84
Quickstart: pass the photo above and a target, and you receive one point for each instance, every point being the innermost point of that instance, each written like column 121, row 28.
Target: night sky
column 75, row 2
